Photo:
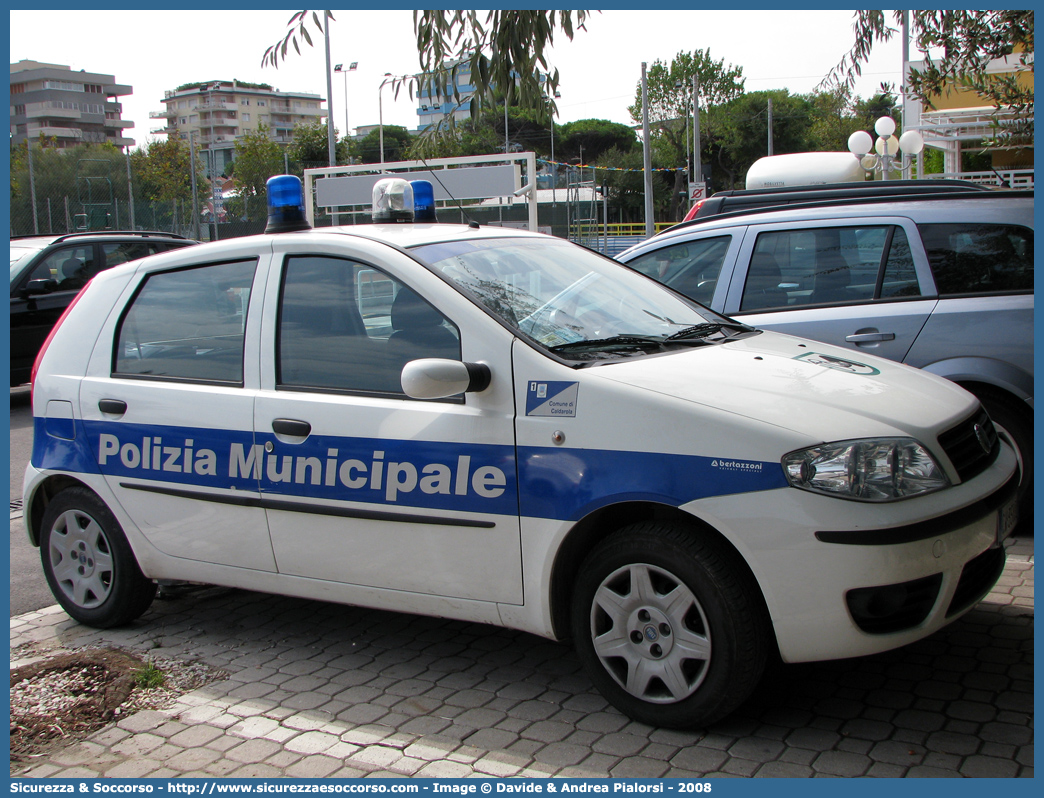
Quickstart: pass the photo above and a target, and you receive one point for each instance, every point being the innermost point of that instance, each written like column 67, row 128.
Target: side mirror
column 436, row 378
column 42, row 285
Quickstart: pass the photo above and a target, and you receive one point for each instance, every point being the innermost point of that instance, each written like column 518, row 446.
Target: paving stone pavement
column 321, row 690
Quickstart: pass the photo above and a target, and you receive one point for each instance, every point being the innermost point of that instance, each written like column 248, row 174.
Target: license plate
column 1007, row 518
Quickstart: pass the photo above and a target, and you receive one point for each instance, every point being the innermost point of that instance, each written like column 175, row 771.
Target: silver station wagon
column 944, row 284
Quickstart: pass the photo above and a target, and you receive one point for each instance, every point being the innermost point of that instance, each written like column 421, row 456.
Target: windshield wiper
column 612, row 342
column 706, row 329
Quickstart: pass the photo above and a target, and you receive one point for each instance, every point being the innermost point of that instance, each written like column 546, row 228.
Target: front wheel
column 1012, row 417
column 669, row 625
column 88, row 563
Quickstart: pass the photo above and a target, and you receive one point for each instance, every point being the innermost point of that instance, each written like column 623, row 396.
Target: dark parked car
column 47, row 272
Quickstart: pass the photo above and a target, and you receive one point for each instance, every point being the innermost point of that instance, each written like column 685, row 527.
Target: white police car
column 499, row 426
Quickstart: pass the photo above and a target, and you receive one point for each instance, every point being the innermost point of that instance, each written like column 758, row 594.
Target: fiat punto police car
column 499, row 426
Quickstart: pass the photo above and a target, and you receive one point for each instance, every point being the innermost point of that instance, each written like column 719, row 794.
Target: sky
column 157, row 51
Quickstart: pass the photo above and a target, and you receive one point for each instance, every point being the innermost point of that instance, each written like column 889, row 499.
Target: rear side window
column 115, row 254
column 187, row 325
column 979, row 258
column 692, row 267
column 828, row 265
column 346, row 326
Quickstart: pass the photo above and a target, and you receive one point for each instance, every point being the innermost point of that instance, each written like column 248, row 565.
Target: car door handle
column 115, row 406
column 863, row 338
column 288, row 426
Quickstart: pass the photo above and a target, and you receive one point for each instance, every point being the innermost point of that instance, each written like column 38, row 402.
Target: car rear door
column 983, row 273
column 168, row 405
column 858, row 284
column 364, row 486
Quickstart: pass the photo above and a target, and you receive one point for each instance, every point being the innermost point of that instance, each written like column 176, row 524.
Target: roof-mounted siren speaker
column 286, row 211
column 392, row 201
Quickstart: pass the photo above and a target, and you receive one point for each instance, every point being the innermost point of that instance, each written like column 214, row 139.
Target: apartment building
column 69, row 107
column 219, row 112
column 433, row 108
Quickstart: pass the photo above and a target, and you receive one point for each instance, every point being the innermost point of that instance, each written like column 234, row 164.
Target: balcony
column 40, row 112
column 217, row 105
column 56, row 132
column 170, row 113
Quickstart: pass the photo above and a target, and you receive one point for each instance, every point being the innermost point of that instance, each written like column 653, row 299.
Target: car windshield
column 574, row 302
column 21, row 251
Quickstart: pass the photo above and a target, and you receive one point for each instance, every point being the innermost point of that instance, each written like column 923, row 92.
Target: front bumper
column 845, row 579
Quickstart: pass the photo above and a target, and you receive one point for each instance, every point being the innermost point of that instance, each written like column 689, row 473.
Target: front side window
column 187, row 325
column 691, row 267
column 70, row 267
column 828, row 265
column 979, row 258
column 347, row 326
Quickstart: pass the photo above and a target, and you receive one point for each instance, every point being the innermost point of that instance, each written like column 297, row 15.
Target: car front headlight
column 876, row 470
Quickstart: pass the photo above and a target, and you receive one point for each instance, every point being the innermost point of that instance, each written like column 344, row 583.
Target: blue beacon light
column 423, row 201
column 286, row 211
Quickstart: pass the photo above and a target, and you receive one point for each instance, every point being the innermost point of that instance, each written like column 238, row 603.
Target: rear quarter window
column 187, row 325
column 979, row 258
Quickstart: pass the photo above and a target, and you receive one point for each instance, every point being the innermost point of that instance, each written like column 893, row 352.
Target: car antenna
column 464, row 213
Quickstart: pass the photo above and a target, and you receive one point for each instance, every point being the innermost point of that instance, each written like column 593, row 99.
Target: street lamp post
column 213, row 162
column 554, row 166
column 887, row 146
column 351, row 68
column 388, row 77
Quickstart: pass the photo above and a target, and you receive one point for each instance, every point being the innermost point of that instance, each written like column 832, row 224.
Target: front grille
column 964, row 445
column 977, row 577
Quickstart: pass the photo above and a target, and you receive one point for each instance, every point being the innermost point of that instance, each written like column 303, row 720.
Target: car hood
column 823, row 392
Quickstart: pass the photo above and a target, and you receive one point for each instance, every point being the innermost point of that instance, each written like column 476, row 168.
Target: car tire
column 89, row 564
column 670, row 625
column 1009, row 417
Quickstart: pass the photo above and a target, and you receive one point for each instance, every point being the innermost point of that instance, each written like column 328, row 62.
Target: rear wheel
column 670, row 626
column 88, row 563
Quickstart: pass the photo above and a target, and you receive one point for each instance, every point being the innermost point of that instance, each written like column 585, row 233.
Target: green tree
column 502, row 48
column 309, row 148
column 257, row 159
column 470, row 137
column 669, row 93
column 86, row 181
column 742, row 132
column 836, row 115
column 162, row 172
column 397, row 142
column 587, row 139
column 622, row 177
column 669, row 87
column 969, row 41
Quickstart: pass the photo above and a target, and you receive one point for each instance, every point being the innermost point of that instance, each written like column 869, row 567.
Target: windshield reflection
column 563, row 296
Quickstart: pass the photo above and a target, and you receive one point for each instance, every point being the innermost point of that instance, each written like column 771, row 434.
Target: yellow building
column 962, row 120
